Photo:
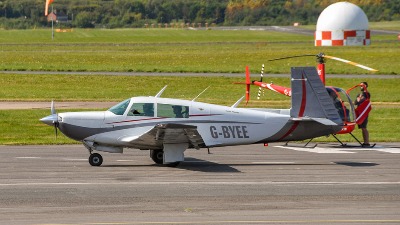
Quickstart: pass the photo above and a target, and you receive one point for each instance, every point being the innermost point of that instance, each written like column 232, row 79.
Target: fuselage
column 167, row 127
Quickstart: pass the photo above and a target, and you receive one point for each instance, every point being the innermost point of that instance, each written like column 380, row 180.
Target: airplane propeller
column 52, row 120
column 321, row 57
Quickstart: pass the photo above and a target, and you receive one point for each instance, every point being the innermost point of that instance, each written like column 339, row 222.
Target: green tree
column 23, row 14
column 84, row 20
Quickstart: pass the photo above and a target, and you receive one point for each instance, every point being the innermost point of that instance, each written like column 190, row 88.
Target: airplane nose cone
column 49, row 120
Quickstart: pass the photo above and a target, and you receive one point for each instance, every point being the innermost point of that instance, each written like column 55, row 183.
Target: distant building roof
column 59, row 17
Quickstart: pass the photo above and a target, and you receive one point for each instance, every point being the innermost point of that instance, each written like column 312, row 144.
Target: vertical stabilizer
column 309, row 96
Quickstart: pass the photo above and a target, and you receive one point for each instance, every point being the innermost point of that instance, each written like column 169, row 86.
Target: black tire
column 95, row 159
column 157, row 156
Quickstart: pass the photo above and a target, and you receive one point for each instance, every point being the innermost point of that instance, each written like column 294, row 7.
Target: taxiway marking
column 273, row 163
column 341, row 150
column 27, row 157
column 245, row 222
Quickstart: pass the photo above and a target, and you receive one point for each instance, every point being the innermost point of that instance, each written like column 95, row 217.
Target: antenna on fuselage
column 200, row 93
column 238, row 102
column 160, row 92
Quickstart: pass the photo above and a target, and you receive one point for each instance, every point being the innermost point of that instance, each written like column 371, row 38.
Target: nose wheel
column 95, row 159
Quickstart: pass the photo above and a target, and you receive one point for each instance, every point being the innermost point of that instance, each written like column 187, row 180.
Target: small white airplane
column 167, row 127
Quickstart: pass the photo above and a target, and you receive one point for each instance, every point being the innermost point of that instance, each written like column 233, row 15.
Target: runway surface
column 232, row 185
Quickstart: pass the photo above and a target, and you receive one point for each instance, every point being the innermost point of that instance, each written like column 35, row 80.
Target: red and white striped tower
column 341, row 24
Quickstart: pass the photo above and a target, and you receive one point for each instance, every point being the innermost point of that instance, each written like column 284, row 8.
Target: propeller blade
column 248, row 82
column 289, row 57
column 259, row 93
column 262, row 73
column 55, row 128
column 52, row 108
column 320, row 59
column 350, row 62
column 55, row 117
column 261, row 79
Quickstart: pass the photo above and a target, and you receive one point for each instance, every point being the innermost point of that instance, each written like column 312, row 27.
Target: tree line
column 24, row 14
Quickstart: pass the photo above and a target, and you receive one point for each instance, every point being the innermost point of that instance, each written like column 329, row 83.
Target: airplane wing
column 167, row 134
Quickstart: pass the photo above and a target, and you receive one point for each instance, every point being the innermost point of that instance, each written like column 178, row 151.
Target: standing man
column 363, row 107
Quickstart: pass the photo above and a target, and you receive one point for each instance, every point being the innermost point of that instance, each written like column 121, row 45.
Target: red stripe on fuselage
column 294, row 126
column 128, row 121
column 158, row 118
column 195, row 115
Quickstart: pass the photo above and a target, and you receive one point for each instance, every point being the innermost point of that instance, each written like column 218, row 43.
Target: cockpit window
column 142, row 109
column 172, row 111
column 342, row 103
column 348, row 105
column 119, row 109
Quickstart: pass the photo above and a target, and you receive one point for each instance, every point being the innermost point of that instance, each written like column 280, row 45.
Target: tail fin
column 310, row 98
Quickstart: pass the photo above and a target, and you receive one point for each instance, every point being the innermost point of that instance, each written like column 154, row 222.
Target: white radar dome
column 341, row 24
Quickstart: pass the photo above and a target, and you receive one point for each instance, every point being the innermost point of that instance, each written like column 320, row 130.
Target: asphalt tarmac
column 232, row 185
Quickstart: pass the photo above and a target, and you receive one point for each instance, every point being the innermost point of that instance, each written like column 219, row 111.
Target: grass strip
column 25, row 87
column 163, row 50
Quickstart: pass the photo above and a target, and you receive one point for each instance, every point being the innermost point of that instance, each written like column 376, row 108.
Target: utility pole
column 52, row 23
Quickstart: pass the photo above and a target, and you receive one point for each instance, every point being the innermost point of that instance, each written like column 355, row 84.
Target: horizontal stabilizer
column 323, row 121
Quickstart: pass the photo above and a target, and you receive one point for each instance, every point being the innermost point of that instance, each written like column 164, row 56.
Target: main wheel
column 95, row 159
column 157, row 156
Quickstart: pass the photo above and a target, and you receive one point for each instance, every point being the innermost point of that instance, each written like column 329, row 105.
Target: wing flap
column 167, row 134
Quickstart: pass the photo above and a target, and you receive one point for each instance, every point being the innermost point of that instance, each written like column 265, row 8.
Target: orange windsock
column 46, row 7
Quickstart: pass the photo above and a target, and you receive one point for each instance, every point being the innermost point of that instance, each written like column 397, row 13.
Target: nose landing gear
column 95, row 159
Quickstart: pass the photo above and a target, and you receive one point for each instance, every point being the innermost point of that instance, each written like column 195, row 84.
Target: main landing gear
column 95, row 159
column 158, row 157
column 359, row 142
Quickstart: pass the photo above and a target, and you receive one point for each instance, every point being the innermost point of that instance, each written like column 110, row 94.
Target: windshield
column 347, row 104
column 342, row 103
column 120, row 108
